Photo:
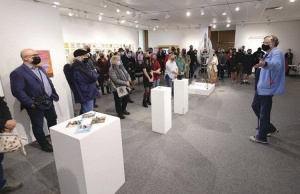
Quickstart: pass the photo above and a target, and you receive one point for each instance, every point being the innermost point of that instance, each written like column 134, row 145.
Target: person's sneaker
column 256, row 140
column 11, row 187
column 125, row 112
column 273, row 133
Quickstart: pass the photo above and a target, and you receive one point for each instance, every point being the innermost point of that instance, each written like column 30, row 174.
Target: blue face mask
column 119, row 63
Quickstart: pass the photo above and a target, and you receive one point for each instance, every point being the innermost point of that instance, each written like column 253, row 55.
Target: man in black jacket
column 7, row 124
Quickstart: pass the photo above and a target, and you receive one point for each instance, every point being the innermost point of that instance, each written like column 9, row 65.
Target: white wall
column 251, row 35
column 182, row 38
column 86, row 31
column 37, row 26
column 142, row 40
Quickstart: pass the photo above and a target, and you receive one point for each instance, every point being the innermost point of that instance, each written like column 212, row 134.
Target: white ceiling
column 151, row 13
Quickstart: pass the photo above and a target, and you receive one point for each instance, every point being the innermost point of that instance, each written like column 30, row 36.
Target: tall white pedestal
column 161, row 109
column 92, row 162
column 181, row 96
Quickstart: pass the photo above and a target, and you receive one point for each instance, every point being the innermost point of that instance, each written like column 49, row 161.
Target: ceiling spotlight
column 137, row 26
column 228, row 25
column 228, row 21
column 188, row 13
column 202, row 11
column 136, row 21
column 70, row 13
column 292, row 1
column 214, row 26
column 101, row 13
column 100, row 18
column 154, row 29
column 167, row 16
column 103, row 4
column 237, row 7
column 128, row 12
column 118, row 10
column 56, row 3
column 224, row 13
column 123, row 20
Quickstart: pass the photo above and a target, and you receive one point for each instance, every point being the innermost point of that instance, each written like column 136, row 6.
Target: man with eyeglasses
column 31, row 85
column 270, row 81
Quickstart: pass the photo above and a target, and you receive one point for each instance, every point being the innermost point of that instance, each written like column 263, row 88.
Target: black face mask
column 85, row 60
column 265, row 47
column 36, row 60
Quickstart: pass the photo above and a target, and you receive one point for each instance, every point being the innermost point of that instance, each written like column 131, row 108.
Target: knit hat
column 79, row 52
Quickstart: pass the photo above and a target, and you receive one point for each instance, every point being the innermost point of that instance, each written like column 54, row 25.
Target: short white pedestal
column 92, row 162
column 161, row 109
column 201, row 88
column 181, row 96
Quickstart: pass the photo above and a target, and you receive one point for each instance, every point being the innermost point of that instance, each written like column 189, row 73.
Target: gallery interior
column 206, row 149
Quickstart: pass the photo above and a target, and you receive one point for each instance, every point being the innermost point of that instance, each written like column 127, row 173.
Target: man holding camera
column 31, row 85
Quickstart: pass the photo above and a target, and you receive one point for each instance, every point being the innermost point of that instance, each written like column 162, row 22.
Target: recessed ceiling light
column 100, row 18
column 118, row 10
column 292, row 1
column 224, row 13
column 188, row 13
column 227, row 25
column 56, row 3
column 137, row 26
column 128, row 12
column 214, row 26
column 202, row 11
column 237, row 7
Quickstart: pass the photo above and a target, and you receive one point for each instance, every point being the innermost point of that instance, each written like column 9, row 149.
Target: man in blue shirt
column 271, row 82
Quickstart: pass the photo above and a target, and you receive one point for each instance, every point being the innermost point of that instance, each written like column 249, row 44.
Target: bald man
column 31, row 85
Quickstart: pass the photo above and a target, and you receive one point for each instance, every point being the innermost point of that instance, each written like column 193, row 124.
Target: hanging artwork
column 46, row 61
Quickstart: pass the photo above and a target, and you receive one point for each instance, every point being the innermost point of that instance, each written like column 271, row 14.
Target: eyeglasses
column 34, row 55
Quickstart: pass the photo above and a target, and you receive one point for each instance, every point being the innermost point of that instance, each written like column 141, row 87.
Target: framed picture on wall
column 46, row 61
column 66, row 45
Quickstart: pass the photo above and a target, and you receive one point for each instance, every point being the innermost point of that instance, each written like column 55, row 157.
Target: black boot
column 145, row 104
column 148, row 101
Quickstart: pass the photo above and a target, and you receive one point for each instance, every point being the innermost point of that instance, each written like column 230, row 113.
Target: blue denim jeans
column 170, row 83
column 87, row 106
column 155, row 83
column 262, row 106
column 2, row 180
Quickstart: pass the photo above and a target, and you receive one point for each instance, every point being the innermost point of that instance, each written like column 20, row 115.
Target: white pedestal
column 181, row 96
column 92, row 162
column 201, row 88
column 161, row 109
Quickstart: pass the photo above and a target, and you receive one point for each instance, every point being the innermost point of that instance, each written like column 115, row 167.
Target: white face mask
column 119, row 63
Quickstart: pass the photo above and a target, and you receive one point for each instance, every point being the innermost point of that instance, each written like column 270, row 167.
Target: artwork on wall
column 71, row 47
column 46, row 61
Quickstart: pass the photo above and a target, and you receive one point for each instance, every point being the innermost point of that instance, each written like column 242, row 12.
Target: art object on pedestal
column 204, row 57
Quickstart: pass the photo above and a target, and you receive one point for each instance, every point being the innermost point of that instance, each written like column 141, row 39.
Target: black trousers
column 120, row 103
column 37, row 120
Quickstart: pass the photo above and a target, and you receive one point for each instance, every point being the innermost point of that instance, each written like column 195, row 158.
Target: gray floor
column 206, row 151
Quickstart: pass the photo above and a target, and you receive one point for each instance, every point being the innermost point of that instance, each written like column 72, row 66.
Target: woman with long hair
column 147, row 80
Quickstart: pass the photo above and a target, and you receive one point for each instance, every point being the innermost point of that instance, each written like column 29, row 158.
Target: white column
column 92, row 162
column 181, row 96
column 161, row 109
